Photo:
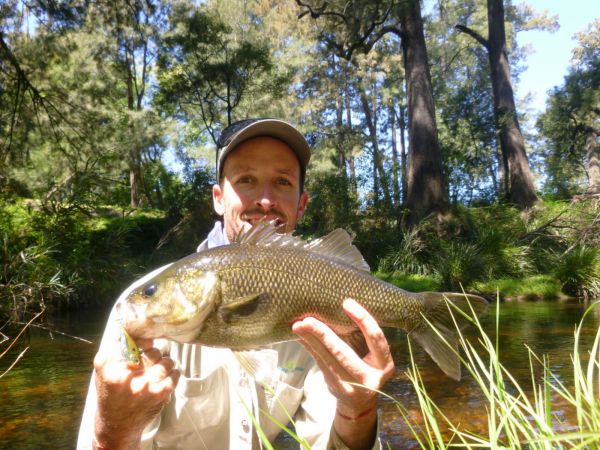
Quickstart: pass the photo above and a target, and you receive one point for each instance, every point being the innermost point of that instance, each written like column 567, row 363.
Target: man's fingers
column 166, row 385
column 337, row 357
column 375, row 339
column 151, row 356
column 160, row 370
column 332, row 353
column 144, row 344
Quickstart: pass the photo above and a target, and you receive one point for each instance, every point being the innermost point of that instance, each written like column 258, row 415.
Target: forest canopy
column 111, row 107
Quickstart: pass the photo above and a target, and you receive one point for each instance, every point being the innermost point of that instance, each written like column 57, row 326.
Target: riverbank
column 63, row 257
column 533, row 288
column 550, row 252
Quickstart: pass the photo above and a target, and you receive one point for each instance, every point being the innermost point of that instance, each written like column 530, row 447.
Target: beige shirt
column 217, row 398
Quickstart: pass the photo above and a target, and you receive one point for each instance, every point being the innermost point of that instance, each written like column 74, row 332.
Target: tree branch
column 479, row 38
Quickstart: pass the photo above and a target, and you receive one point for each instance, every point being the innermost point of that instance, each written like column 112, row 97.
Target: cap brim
column 273, row 128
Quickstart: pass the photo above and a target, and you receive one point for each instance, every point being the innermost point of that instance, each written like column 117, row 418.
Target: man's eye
column 284, row 182
column 244, row 180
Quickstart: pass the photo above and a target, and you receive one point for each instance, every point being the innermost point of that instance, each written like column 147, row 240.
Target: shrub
column 30, row 279
column 578, row 270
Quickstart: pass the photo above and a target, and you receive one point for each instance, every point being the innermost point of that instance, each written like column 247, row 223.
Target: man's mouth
column 277, row 221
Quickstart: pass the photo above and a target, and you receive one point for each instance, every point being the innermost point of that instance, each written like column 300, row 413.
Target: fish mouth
column 132, row 318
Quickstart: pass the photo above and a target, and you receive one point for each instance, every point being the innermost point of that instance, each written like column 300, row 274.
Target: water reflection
column 545, row 327
column 42, row 398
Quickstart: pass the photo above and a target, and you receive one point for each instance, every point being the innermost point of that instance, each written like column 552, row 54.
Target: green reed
column 515, row 418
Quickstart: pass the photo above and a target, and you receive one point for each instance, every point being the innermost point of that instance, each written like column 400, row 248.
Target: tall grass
column 515, row 418
column 28, row 279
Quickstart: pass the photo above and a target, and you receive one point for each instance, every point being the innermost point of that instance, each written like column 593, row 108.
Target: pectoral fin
column 241, row 306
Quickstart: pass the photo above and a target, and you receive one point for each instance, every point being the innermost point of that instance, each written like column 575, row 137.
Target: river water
column 41, row 399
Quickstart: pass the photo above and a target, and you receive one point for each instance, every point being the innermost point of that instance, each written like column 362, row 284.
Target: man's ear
column 217, row 195
column 302, row 204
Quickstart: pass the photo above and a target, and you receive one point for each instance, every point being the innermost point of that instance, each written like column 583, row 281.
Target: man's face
column 261, row 180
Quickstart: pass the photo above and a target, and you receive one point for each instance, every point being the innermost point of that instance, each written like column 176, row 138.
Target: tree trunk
column 395, row 158
column 403, row 156
column 340, row 142
column 426, row 190
column 340, row 139
column 134, row 160
column 521, row 188
column 378, row 171
column 593, row 164
column 349, row 153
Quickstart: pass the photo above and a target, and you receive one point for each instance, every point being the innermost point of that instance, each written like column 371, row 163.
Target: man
column 201, row 397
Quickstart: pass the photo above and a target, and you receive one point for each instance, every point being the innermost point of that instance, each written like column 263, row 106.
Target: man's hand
column 130, row 396
column 343, row 369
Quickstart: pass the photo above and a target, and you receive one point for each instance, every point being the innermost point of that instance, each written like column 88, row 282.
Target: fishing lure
column 129, row 348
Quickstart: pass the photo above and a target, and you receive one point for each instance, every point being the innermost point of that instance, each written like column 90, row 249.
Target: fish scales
column 249, row 293
column 295, row 284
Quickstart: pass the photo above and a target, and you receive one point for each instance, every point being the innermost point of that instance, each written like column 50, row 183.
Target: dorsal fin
column 337, row 244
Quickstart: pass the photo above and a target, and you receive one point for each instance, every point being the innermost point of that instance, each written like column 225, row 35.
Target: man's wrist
column 355, row 417
column 356, row 412
column 112, row 438
column 115, row 444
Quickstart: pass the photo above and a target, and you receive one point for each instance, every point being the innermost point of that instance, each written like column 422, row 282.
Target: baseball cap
column 241, row 131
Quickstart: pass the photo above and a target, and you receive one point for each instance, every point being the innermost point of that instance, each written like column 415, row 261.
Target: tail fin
column 438, row 314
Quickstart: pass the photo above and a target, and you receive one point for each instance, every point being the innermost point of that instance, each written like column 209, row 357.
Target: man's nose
column 266, row 199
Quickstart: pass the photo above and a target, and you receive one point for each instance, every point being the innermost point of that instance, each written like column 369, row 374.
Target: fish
column 247, row 294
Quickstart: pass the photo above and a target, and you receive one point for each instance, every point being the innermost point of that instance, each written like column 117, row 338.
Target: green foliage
column 468, row 246
column 578, row 271
column 56, row 253
column 413, row 283
column 29, row 278
column 53, row 258
column 207, row 69
column 190, row 216
column 331, row 204
column 411, row 255
column 571, row 121
column 458, row 264
column 497, row 247
column 80, row 117
column 535, row 287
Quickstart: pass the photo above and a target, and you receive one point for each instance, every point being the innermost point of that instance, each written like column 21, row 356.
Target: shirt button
column 245, row 426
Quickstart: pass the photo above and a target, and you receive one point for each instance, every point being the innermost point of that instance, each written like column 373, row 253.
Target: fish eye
column 149, row 290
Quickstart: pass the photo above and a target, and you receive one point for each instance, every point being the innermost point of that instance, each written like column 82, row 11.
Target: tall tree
column 426, row 189
column 356, row 27
column 519, row 184
column 464, row 105
column 64, row 119
column 380, row 180
column 207, row 70
column 24, row 104
column 133, row 26
column 571, row 123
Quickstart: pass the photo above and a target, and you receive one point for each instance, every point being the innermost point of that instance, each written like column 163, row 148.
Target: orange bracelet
column 361, row 415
